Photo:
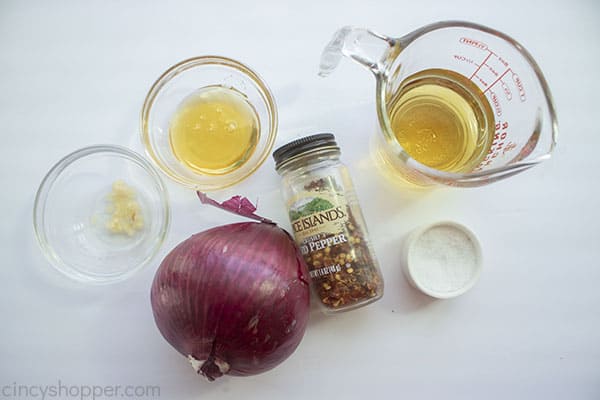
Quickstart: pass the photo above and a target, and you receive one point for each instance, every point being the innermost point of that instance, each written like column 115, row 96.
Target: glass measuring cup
column 457, row 77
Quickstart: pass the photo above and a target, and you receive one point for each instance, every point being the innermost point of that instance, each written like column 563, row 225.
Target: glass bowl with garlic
column 101, row 213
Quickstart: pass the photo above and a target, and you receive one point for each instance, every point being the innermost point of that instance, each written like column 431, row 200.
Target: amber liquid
column 214, row 130
column 442, row 120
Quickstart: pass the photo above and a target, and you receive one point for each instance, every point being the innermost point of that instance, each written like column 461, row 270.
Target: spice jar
column 328, row 224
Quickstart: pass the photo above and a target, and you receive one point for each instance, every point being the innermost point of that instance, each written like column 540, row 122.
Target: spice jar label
column 333, row 244
column 318, row 214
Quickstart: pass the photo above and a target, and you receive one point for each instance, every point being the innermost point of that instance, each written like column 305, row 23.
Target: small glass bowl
column 174, row 86
column 71, row 213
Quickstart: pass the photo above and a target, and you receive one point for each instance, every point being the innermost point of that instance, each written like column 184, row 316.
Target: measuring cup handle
column 361, row 45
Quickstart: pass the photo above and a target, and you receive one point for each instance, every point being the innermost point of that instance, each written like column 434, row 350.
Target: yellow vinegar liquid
column 214, row 130
column 442, row 120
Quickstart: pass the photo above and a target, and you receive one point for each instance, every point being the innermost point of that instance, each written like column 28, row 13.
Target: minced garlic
column 124, row 211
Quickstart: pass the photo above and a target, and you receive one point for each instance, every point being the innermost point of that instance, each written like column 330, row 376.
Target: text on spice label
column 318, row 219
column 310, row 246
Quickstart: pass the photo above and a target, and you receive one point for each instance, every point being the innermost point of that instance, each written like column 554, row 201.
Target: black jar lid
column 303, row 145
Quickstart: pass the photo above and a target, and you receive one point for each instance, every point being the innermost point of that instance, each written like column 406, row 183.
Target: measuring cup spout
column 361, row 45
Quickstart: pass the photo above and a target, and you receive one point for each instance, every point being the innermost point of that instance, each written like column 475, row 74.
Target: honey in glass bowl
column 214, row 130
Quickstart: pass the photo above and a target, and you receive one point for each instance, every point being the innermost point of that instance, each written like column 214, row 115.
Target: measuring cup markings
column 480, row 65
column 500, row 146
column 519, row 84
column 485, row 72
column 494, row 72
column 496, row 103
column 506, row 90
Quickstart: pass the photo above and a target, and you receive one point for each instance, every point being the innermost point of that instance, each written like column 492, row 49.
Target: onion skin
column 233, row 299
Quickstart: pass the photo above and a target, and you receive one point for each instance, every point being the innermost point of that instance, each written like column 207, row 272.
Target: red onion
column 233, row 299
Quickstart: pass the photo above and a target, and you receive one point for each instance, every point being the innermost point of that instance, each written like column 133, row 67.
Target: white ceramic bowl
column 443, row 260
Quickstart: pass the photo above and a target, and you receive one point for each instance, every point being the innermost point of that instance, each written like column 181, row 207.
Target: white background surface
column 75, row 73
